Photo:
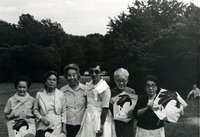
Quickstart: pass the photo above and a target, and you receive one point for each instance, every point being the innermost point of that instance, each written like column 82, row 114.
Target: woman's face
column 150, row 88
column 51, row 82
column 121, row 82
column 22, row 88
column 72, row 77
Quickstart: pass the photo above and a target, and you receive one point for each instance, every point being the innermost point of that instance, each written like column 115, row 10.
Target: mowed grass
column 187, row 126
column 7, row 90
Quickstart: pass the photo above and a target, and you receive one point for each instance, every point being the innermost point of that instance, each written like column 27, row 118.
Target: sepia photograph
column 100, row 68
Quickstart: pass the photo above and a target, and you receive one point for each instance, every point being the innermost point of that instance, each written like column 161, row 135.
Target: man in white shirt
column 194, row 93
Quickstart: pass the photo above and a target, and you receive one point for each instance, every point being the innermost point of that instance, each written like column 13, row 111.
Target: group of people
column 84, row 110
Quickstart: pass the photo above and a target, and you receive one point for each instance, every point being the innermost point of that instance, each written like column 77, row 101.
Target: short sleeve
column 106, row 95
column 141, row 103
column 7, row 109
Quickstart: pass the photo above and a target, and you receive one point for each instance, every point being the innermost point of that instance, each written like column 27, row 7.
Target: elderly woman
column 148, row 125
column 20, row 106
column 75, row 95
column 123, row 121
column 49, row 107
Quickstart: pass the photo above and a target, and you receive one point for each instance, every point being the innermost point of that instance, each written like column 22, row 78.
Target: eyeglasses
column 121, row 81
column 52, row 79
column 152, row 86
column 94, row 71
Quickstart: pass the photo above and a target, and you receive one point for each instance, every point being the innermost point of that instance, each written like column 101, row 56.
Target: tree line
column 155, row 37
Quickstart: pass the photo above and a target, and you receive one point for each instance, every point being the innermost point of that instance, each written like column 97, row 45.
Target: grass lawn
column 187, row 126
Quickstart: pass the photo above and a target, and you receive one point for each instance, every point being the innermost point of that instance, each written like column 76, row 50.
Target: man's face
column 121, row 81
column 95, row 73
column 51, row 82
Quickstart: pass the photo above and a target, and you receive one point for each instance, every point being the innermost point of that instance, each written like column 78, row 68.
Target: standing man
column 75, row 95
column 97, row 120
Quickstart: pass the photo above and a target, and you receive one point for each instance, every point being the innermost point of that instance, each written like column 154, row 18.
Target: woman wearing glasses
column 148, row 124
column 97, row 120
column 124, row 122
column 49, row 107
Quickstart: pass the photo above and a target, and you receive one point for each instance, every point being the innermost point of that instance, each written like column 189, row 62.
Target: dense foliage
column 156, row 37
column 159, row 38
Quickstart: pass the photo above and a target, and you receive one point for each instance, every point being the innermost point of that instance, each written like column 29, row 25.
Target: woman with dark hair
column 20, row 106
column 148, row 125
column 75, row 96
column 49, row 106
column 97, row 120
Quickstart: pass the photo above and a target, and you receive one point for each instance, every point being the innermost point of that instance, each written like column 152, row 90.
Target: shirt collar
column 20, row 98
column 80, row 86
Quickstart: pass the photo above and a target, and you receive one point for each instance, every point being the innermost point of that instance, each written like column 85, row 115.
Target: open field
column 187, row 126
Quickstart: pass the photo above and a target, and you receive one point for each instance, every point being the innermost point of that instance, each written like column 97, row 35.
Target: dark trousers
column 72, row 130
column 124, row 129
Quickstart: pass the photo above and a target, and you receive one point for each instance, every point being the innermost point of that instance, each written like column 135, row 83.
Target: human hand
column 149, row 105
column 16, row 115
column 29, row 115
column 111, row 101
column 100, row 132
column 155, row 108
column 45, row 121
column 129, row 114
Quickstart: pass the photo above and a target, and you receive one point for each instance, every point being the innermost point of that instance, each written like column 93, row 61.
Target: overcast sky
column 77, row 17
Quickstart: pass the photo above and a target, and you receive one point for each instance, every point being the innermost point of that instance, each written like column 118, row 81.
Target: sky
column 77, row 17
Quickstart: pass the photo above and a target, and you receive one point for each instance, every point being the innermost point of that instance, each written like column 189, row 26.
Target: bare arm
column 143, row 110
column 104, row 115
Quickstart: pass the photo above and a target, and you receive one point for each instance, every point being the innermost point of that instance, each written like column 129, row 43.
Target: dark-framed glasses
column 94, row 71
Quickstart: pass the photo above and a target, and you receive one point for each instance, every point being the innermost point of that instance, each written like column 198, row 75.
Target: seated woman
column 20, row 106
column 49, row 107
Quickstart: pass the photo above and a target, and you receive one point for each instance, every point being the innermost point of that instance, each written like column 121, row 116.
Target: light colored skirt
column 141, row 132
column 91, row 123
column 55, row 124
